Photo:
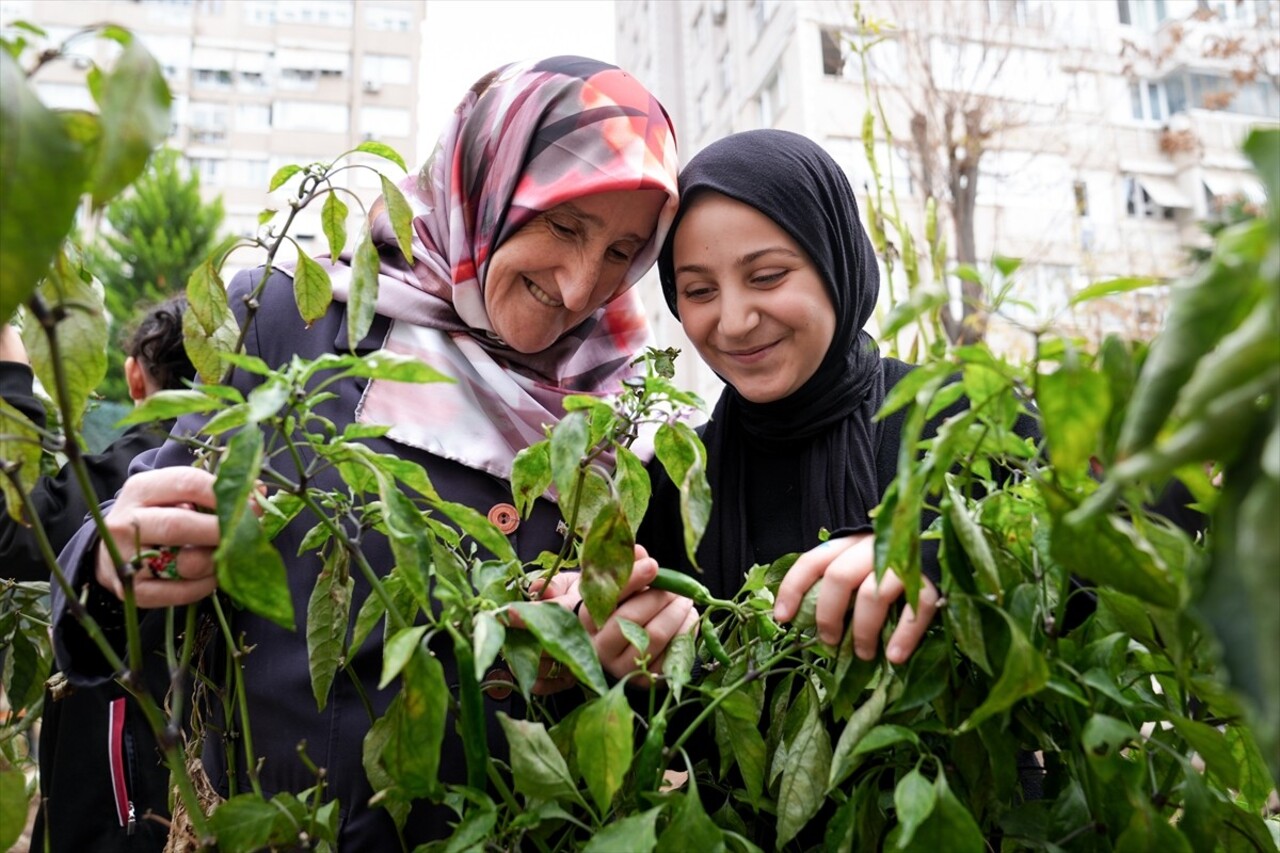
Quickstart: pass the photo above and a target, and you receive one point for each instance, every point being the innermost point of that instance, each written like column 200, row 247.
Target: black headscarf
column 794, row 182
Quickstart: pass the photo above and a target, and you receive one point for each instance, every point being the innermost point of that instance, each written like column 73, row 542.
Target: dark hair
column 157, row 344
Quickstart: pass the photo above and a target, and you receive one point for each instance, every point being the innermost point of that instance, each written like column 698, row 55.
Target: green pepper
column 648, row 764
column 669, row 580
column 712, row 640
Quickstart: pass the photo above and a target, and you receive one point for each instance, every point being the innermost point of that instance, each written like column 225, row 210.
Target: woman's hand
column 847, row 568
column 157, row 511
column 663, row 615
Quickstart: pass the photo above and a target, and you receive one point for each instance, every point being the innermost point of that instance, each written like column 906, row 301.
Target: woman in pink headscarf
column 546, row 198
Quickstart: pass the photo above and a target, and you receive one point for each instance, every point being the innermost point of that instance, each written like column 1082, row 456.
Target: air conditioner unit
column 372, row 86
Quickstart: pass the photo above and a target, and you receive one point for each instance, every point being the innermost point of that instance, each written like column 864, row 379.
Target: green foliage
column 787, row 742
column 152, row 240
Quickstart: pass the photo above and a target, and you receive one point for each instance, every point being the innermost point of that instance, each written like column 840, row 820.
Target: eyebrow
column 590, row 218
column 748, row 258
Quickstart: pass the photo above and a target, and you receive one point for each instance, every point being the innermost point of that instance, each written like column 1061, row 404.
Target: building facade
column 1114, row 125
column 257, row 84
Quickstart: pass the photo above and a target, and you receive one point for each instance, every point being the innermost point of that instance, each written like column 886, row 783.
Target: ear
column 136, row 378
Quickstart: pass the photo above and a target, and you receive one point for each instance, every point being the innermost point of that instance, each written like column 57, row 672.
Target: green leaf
column 974, row 539
column 412, row 754
column 209, row 329
column 920, row 303
column 13, row 804
column 603, row 738
column 883, row 737
column 568, row 446
column 42, row 174
column 480, row 528
column 1149, row 830
column 635, row 834
column 1213, row 747
column 530, row 476
column 249, row 568
column 740, row 716
column 19, row 445
column 1006, row 266
column 363, row 296
column 311, row 288
column 1111, row 287
column 243, row 824
column 1074, row 405
column 1263, row 147
column 1025, row 673
column 1109, row 551
column 563, row 637
column 333, row 221
column 134, row 110
column 488, row 635
column 398, row 650
column 964, row 622
column 634, row 634
column 634, row 487
column 690, row 828
column 844, row 759
column 608, row 554
column 328, row 615
column 949, row 826
column 282, row 175
column 537, row 768
column 806, row 767
column 677, row 666
column 913, row 799
column 386, row 152
column 524, row 656
column 401, row 217
column 81, row 335
column 681, row 453
column 164, row 405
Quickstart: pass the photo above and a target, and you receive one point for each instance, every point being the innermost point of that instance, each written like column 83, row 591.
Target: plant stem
column 242, row 699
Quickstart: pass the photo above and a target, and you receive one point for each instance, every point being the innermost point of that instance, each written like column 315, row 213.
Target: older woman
column 547, row 197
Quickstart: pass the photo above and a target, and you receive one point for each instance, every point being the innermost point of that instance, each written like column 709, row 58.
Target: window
column 701, row 30
column 381, row 68
column 208, row 122
column 1140, row 202
column 1022, row 13
column 210, row 78
column 310, row 115
column 388, row 18
column 1148, row 14
column 1080, row 190
column 246, row 172
column 211, row 170
column 260, row 13
column 703, row 108
column 833, row 55
column 253, row 118
column 383, row 122
column 1147, row 101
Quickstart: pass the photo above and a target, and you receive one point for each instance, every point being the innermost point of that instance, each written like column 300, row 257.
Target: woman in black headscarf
column 773, row 278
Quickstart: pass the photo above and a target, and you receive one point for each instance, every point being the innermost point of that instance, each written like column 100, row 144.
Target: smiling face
column 750, row 300
column 565, row 263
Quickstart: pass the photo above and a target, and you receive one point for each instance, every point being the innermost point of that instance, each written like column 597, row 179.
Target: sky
column 467, row 38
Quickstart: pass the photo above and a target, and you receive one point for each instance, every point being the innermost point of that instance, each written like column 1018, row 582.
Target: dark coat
column 282, row 709
column 77, row 748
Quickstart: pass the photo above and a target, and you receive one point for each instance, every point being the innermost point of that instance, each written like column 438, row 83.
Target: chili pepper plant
column 1083, row 640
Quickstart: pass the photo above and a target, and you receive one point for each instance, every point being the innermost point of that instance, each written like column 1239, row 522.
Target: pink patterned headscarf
column 526, row 138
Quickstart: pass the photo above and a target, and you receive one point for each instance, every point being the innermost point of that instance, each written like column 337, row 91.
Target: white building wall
column 1066, row 68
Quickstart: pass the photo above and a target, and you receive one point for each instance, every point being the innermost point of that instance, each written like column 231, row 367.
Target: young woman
column 773, row 278
column 545, row 200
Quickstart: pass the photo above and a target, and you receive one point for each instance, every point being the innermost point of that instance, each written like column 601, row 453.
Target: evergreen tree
column 152, row 239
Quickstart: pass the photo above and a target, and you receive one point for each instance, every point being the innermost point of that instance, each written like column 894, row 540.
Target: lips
column 749, row 355
column 541, row 295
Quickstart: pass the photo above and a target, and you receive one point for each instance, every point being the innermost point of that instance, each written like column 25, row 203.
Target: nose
column 738, row 315
column 580, row 282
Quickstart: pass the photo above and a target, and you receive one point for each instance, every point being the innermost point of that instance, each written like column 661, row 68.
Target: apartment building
column 258, row 84
column 1117, row 136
